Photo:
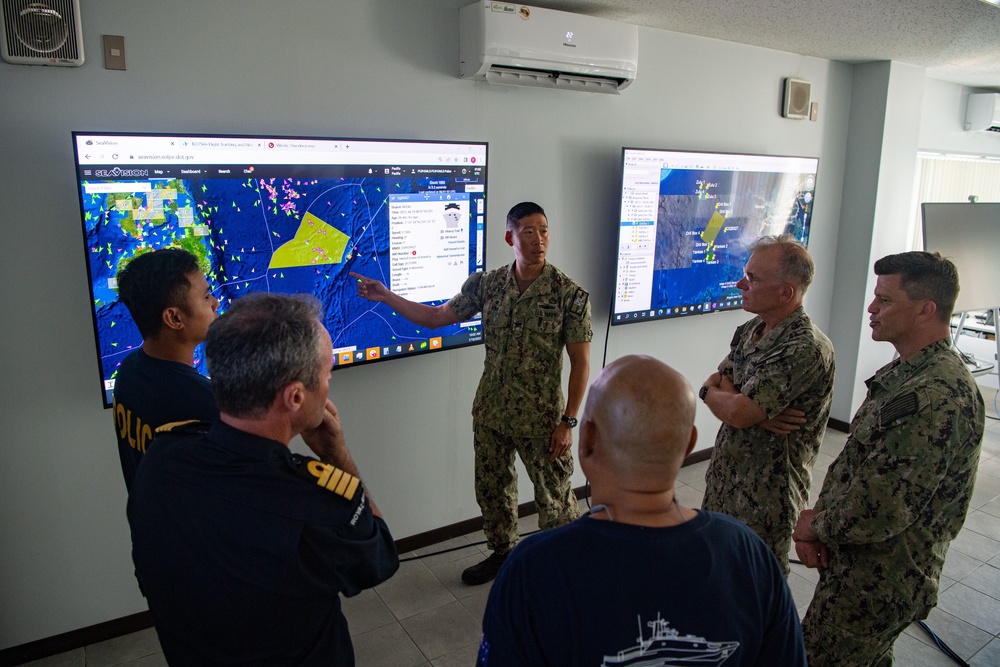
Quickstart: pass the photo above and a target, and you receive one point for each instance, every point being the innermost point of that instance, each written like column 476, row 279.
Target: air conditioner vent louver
column 529, row 46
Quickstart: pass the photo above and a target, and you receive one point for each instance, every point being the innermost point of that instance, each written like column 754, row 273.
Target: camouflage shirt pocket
column 546, row 320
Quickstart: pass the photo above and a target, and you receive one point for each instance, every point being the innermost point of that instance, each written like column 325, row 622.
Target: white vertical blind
column 952, row 178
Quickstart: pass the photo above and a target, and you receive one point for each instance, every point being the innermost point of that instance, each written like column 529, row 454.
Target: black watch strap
column 570, row 421
column 703, row 392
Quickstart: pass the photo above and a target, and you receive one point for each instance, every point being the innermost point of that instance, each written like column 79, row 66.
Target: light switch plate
column 114, row 52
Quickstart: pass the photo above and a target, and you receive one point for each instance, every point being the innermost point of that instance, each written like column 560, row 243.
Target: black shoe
column 480, row 573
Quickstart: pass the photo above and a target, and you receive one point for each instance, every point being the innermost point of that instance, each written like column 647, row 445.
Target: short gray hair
column 259, row 345
column 796, row 265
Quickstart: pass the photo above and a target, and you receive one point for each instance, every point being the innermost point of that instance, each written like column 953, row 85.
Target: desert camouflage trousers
column 496, row 484
column 848, row 627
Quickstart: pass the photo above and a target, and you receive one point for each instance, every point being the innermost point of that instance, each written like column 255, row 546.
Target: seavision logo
column 118, row 172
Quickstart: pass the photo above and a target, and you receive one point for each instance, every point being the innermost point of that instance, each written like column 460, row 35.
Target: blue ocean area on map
column 706, row 222
column 235, row 226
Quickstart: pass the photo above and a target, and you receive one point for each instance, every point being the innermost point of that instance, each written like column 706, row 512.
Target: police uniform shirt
column 243, row 548
column 899, row 491
column 150, row 392
column 520, row 392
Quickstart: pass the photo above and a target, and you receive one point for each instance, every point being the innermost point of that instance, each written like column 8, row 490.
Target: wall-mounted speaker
column 796, row 99
column 41, row 32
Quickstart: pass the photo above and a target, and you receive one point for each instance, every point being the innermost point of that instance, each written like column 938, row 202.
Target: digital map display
column 294, row 229
column 685, row 234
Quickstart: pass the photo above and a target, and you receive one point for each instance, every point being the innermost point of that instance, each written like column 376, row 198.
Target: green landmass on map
column 315, row 242
column 187, row 241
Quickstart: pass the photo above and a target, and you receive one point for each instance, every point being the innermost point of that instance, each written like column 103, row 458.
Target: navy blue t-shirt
column 149, row 393
column 242, row 553
column 595, row 593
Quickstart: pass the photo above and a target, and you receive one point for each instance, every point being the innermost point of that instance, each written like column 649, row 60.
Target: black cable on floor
column 464, row 546
column 941, row 645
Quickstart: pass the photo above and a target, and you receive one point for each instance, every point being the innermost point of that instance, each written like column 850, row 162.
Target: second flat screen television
column 288, row 214
column 687, row 222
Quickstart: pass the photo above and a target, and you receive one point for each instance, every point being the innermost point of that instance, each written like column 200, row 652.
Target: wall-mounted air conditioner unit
column 503, row 42
column 983, row 112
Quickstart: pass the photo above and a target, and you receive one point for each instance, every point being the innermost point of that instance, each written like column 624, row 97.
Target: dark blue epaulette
column 326, row 475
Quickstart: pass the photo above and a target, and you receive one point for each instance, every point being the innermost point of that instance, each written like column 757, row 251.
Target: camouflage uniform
column 891, row 504
column 520, row 402
column 757, row 476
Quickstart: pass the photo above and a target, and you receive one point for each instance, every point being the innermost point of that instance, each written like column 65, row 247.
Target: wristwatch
column 570, row 421
column 703, row 392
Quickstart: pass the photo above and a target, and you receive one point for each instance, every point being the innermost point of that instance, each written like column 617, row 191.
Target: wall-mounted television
column 288, row 214
column 687, row 222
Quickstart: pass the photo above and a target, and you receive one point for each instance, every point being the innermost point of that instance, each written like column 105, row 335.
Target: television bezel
column 79, row 178
column 618, row 222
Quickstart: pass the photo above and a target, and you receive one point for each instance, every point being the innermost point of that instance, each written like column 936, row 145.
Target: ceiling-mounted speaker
column 41, row 32
column 796, row 99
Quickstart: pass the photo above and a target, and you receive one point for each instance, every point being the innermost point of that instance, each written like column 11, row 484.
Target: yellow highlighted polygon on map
column 712, row 228
column 315, row 243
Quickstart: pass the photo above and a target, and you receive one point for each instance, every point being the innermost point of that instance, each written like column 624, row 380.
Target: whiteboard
column 968, row 235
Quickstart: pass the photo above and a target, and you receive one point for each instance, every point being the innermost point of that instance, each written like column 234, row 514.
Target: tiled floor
column 424, row 615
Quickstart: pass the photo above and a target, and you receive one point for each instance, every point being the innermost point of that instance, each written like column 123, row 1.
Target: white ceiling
column 956, row 40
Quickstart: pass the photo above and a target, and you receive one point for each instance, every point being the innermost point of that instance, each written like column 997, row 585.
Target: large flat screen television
column 291, row 215
column 687, row 222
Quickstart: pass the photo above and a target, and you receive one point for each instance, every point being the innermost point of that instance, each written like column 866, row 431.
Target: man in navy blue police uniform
column 171, row 303
column 641, row 579
column 242, row 547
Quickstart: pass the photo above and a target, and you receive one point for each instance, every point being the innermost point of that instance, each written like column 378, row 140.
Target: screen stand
column 979, row 365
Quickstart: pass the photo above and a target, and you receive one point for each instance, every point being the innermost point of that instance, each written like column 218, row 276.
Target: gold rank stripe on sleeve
column 173, row 426
column 334, row 479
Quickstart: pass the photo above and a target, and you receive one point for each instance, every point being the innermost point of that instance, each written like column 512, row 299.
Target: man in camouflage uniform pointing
column 531, row 311
column 772, row 392
column 899, row 491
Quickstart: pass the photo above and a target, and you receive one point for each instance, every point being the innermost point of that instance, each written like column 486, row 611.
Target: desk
column 968, row 327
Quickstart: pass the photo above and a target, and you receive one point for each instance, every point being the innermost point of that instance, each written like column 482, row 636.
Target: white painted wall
column 368, row 68
column 942, row 121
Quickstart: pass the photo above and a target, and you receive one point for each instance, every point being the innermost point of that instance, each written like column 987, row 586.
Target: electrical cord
column 942, row 646
column 464, row 546
column 607, row 334
column 586, row 497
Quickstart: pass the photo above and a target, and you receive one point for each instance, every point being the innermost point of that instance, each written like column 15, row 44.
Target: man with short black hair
column 773, row 393
column 531, row 312
column 242, row 547
column 701, row 588
column 170, row 301
column 898, row 493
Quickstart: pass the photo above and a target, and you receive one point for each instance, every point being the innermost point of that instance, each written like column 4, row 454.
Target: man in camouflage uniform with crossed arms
column 772, row 393
column 898, row 492
column 531, row 311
